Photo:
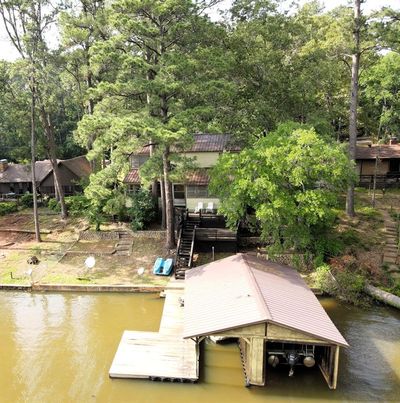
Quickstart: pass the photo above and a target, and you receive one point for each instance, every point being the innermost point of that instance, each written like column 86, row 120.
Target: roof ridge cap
column 260, row 299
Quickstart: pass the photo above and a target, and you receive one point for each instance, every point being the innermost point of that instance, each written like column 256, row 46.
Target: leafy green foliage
column 345, row 285
column 142, row 210
column 8, row 208
column 27, row 200
column 77, row 205
column 289, row 181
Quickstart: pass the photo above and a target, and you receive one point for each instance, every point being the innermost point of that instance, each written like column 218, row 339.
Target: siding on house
column 204, row 159
column 367, row 167
column 205, row 152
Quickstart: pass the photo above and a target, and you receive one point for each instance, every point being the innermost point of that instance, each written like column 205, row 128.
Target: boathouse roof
column 243, row 290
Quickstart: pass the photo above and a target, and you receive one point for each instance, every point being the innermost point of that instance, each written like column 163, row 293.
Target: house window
column 138, row 160
column 197, row 192
column 132, row 188
column 179, row 191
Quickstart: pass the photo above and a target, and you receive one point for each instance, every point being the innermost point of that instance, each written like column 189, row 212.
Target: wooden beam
column 335, row 368
column 257, row 361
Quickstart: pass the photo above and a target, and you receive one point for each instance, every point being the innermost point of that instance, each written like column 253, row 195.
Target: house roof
column 195, row 177
column 16, row 173
column 22, row 172
column 80, row 166
column 198, row 177
column 242, row 290
column 132, row 177
column 383, row 151
column 205, row 143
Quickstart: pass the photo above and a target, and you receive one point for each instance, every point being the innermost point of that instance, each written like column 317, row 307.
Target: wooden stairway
column 184, row 252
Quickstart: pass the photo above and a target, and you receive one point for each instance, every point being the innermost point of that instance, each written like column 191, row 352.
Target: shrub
column 27, row 200
column 77, row 205
column 346, row 285
column 54, row 205
column 8, row 208
column 142, row 210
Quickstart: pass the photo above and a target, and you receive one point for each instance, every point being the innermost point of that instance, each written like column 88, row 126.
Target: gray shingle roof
column 16, row 173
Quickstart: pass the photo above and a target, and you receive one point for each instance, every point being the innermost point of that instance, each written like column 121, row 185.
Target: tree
column 26, row 22
column 381, row 89
column 149, row 72
column 287, row 183
column 81, row 27
column 355, row 68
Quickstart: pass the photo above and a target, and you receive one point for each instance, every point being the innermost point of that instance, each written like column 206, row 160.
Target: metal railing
column 192, row 248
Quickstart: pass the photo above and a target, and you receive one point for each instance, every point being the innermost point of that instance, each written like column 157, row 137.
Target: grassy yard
column 61, row 256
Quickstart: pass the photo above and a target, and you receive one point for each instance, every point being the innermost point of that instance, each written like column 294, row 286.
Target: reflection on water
column 59, row 347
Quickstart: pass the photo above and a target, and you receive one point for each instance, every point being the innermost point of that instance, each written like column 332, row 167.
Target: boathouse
column 268, row 308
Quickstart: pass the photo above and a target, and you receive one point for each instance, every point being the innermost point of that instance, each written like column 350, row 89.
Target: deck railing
column 192, row 248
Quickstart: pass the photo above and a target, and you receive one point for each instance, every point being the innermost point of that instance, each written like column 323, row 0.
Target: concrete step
column 394, row 270
column 127, row 243
column 389, row 260
column 391, row 250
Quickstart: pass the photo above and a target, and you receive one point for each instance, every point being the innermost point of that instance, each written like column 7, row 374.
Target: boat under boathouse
column 269, row 308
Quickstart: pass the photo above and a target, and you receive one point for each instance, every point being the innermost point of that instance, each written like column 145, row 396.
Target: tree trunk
column 355, row 67
column 163, row 206
column 51, row 146
column 33, row 163
column 169, row 207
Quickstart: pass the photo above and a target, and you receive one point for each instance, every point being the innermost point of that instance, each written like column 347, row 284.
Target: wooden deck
column 159, row 356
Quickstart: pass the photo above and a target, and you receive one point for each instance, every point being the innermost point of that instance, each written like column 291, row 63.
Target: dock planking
column 159, row 356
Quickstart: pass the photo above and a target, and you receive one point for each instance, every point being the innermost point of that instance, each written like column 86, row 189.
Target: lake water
column 57, row 348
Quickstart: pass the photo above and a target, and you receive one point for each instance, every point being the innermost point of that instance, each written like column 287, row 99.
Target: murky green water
column 58, row 348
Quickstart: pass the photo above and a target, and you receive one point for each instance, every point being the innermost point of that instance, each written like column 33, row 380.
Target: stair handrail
column 192, row 248
column 179, row 243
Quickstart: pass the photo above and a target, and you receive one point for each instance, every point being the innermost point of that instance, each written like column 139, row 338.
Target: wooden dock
column 159, row 356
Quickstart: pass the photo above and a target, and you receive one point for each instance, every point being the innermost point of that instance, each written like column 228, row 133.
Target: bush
column 27, row 200
column 53, row 204
column 8, row 208
column 346, row 285
column 142, row 210
column 76, row 205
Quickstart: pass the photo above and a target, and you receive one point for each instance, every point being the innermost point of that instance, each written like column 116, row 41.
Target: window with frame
column 197, row 191
column 179, row 191
column 131, row 188
column 138, row 160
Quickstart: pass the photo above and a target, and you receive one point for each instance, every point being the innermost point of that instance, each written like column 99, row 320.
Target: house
column 269, row 309
column 193, row 191
column 15, row 179
column 382, row 159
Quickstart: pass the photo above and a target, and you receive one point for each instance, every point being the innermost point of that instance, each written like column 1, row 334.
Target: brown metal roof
column 132, row 177
column 383, row 151
column 204, row 143
column 242, row 290
column 195, row 177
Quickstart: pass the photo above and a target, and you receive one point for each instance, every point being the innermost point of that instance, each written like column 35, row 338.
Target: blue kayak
column 163, row 267
column 158, row 266
column 167, row 268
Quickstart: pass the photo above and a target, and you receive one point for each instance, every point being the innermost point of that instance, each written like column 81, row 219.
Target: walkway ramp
column 159, row 356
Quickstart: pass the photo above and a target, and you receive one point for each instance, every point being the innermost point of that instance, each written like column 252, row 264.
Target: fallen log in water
column 382, row 296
